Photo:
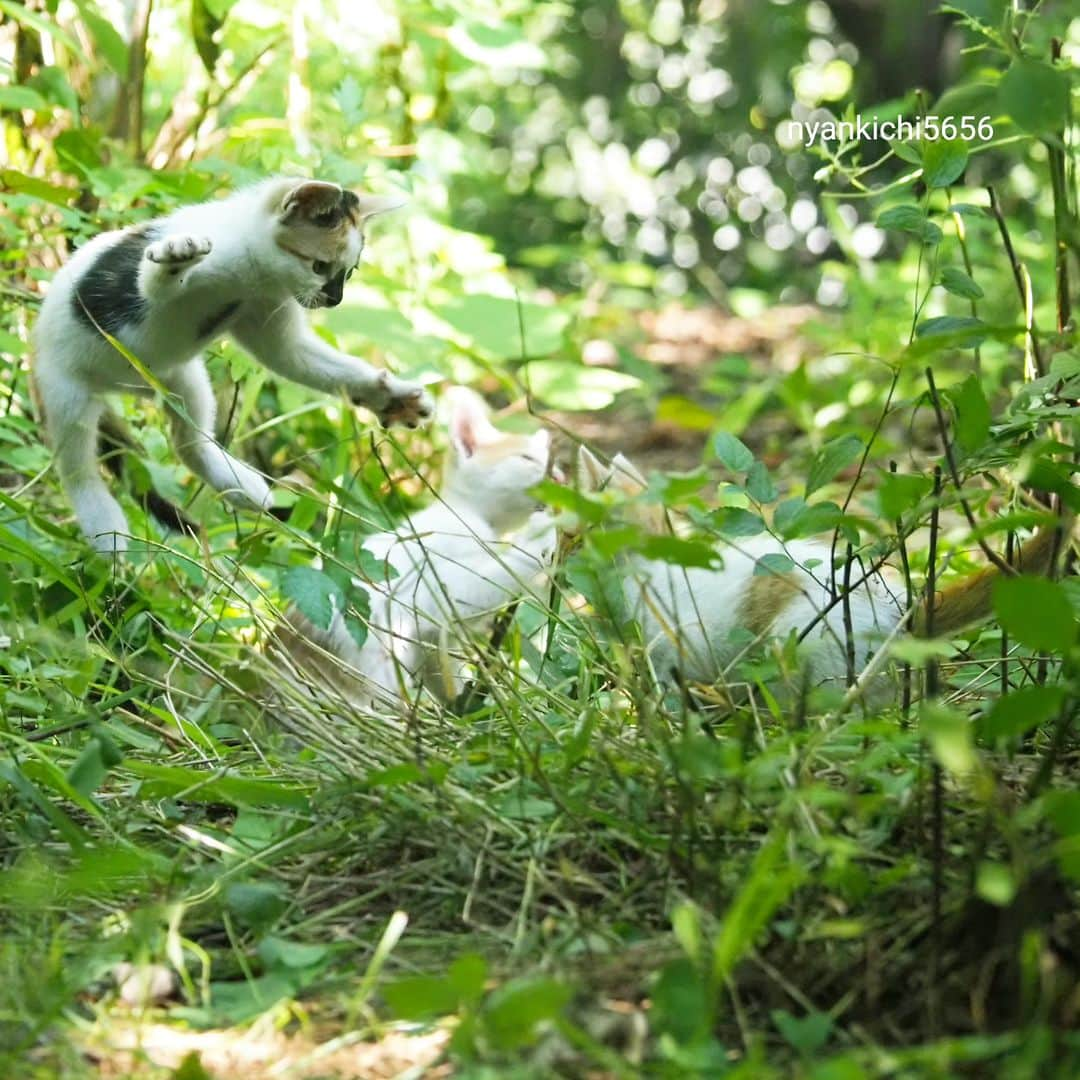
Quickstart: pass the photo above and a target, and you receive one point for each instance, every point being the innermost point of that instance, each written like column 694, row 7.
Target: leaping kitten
column 480, row 546
column 247, row 265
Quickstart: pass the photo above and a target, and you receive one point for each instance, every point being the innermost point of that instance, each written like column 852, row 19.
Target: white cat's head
column 318, row 236
column 493, row 470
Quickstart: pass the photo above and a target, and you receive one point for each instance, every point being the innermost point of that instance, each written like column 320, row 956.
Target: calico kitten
column 687, row 614
column 480, row 546
column 246, row 265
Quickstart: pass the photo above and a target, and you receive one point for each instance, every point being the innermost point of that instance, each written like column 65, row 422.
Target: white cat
column 480, row 546
column 688, row 614
column 246, row 265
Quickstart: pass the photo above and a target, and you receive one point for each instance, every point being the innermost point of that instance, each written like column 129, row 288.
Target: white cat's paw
column 398, row 402
column 179, row 251
column 249, row 489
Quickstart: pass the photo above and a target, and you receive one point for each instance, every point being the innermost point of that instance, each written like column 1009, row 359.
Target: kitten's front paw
column 402, row 402
column 178, row 252
column 246, row 488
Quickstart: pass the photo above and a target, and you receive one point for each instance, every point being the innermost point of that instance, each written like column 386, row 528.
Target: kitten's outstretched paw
column 179, row 251
column 251, row 491
column 403, row 402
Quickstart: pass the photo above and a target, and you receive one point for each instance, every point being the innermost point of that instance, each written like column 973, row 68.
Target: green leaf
column 278, row 952
column 833, row 457
column 204, row 25
column 679, row 552
column 734, row 521
column 910, row 219
column 564, row 384
column 759, row 485
column 995, row 883
column 91, row 767
column 944, row 161
column 1020, row 711
column 972, row 413
column 513, row 1011
column 20, row 13
column 795, row 517
column 110, row 43
column 775, row 562
column 421, row 997
column 1035, row 95
column 681, row 1007
column 806, row 1034
column 732, row 451
column 203, row 785
column 770, row 881
column 950, row 735
column 900, row 492
column 497, row 45
column 316, row 595
column 965, row 328
column 960, row 284
column 1035, row 611
column 507, row 329
column 13, row 180
column 255, row 903
column 21, row 97
column 191, row 1068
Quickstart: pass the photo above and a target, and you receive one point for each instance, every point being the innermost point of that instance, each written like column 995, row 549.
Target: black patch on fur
column 212, row 323
column 107, row 295
column 331, row 217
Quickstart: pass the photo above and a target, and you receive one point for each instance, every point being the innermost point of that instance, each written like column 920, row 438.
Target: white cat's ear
column 370, row 205
column 469, row 422
column 627, row 476
column 592, row 473
column 309, row 199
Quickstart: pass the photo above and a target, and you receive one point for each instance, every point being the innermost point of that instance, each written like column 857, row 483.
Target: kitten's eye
column 321, row 268
column 349, row 272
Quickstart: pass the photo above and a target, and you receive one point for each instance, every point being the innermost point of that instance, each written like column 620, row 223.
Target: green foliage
column 756, row 858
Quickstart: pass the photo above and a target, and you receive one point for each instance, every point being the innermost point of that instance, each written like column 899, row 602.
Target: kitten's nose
column 557, row 474
column 333, row 290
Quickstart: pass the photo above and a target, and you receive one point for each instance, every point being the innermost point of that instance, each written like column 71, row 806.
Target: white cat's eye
column 321, row 268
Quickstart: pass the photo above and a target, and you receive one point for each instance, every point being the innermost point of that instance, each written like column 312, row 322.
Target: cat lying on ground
column 246, row 265
column 687, row 614
column 482, row 545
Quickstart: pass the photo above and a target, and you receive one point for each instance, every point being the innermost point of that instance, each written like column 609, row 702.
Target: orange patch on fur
column 766, row 598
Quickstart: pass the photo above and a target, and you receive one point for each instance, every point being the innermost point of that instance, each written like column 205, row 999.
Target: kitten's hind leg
column 71, row 419
column 165, row 262
column 192, row 420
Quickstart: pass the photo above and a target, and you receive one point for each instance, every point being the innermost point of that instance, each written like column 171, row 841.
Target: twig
column 933, row 999
column 1019, row 274
column 989, row 552
column 901, row 542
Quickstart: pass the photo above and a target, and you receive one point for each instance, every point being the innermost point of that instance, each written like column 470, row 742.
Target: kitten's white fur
column 688, row 614
column 206, row 259
column 480, row 546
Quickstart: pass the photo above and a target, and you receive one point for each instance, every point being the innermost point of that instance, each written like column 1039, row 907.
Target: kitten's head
column 318, row 234
column 494, row 470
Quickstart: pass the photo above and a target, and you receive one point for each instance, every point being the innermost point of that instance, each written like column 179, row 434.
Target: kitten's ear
column 370, row 205
column 593, row 474
column 625, row 477
column 309, row 199
column 469, row 424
